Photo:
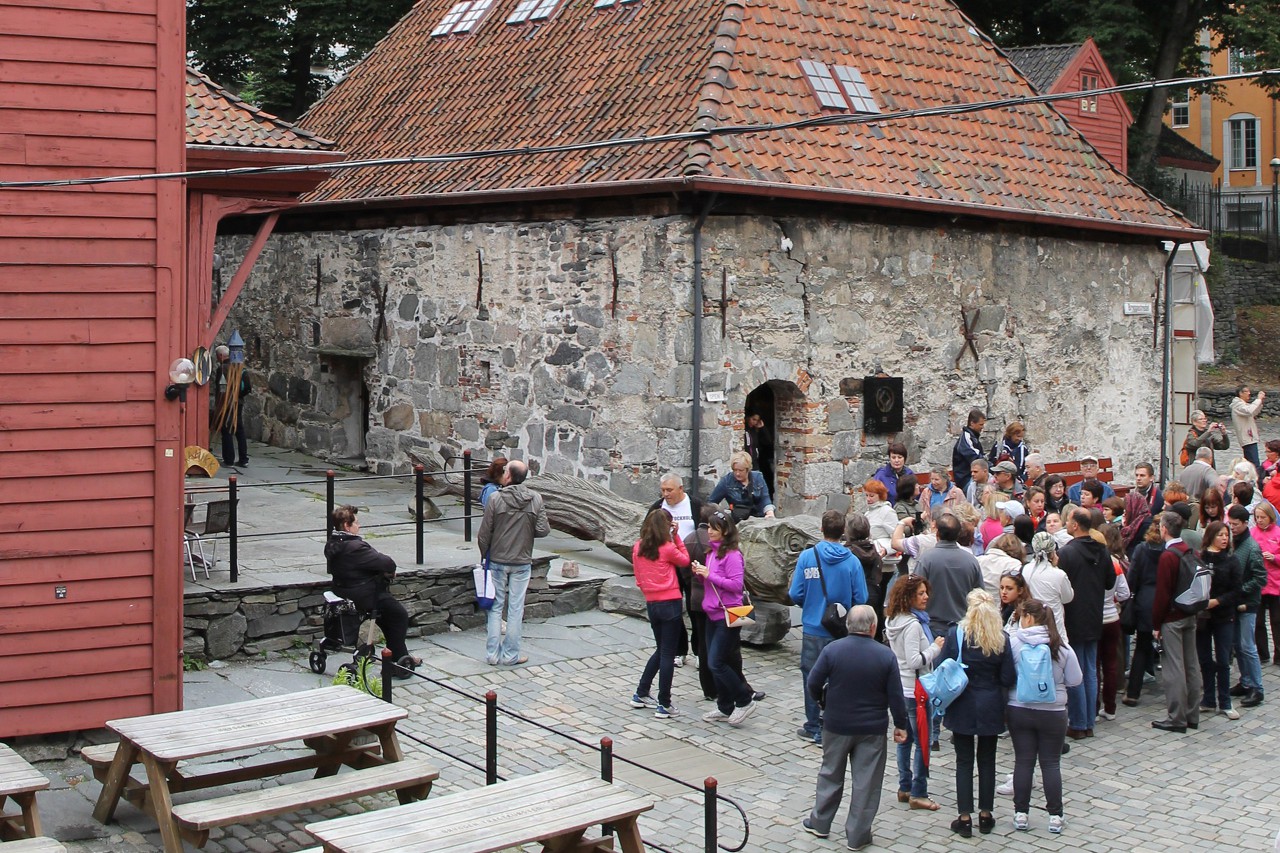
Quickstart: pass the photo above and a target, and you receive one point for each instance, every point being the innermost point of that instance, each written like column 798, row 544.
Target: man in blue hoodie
column 831, row 564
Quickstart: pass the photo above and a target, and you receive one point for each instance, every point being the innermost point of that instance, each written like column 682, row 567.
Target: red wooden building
column 1101, row 119
column 101, row 288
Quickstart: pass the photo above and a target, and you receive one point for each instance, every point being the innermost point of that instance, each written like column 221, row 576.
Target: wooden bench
column 19, row 782
column 1070, row 471
column 553, row 808
column 34, row 845
column 411, row 780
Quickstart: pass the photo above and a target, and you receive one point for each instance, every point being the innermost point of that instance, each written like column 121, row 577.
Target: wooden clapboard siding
column 90, row 305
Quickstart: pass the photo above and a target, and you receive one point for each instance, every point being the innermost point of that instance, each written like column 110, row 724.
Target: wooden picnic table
column 326, row 720
column 554, row 808
column 19, row 782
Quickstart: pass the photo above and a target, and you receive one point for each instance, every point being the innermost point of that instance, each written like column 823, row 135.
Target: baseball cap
column 1013, row 508
column 1006, row 467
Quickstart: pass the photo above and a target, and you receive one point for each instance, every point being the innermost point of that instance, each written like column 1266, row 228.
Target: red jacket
column 657, row 578
column 1163, row 609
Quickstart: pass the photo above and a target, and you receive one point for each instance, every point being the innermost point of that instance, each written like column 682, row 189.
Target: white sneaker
column 1005, row 788
column 664, row 712
column 1231, row 714
column 1105, row 716
column 714, row 716
column 1021, row 822
column 679, row 661
column 1056, row 823
column 741, row 714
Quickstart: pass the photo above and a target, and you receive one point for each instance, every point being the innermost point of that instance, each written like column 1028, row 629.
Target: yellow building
column 1240, row 129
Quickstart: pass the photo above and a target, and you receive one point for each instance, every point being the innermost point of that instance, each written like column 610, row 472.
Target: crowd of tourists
column 1059, row 601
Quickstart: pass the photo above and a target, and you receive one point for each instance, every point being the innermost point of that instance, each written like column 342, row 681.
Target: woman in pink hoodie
column 655, row 557
column 724, row 577
column 1267, row 534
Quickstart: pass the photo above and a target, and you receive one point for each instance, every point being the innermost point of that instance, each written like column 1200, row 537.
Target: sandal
column 923, row 803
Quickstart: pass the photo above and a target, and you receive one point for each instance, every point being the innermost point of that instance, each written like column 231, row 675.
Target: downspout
column 695, row 410
column 1166, row 372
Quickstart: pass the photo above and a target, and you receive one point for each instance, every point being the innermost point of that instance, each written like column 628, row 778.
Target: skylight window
column 532, row 10
column 839, row 87
column 604, row 4
column 462, row 17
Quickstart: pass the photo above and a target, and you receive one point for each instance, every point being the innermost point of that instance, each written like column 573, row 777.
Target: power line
column 684, row 137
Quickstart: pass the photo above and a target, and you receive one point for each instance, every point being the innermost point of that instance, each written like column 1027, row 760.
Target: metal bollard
column 466, row 496
column 710, row 836
column 328, row 503
column 233, row 544
column 491, row 738
column 419, row 479
column 388, row 670
column 606, row 773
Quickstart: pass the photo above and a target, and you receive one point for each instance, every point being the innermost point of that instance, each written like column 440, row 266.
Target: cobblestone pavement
column 1127, row 789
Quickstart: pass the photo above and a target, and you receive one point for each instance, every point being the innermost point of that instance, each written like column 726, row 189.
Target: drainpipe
column 695, row 411
column 1166, row 375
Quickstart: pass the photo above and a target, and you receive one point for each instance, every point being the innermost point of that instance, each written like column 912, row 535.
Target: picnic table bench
column 554, row 808
column 326, row 720
column 19, row 782
column 33, row 845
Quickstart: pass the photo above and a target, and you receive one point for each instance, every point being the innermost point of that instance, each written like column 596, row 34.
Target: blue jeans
column 722, row 642
column 510, row 582
column 666, row 618
column 1214, row 640
column 810, row 647
column 1247, row 651
column 913, row 776
column 1250, row 452
column 1082, row 701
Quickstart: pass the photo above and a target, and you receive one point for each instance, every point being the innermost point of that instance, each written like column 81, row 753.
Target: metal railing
column 233, row 487
column 1224, row 211
column 709, row 790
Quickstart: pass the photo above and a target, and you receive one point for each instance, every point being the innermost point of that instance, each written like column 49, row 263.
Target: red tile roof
column 217, row 117
column 665, row 66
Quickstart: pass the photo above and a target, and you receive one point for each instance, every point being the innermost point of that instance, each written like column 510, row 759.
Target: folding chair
column 217, row 519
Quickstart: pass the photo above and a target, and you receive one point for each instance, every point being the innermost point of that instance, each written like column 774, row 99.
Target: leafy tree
column 1141, row 40
column 272, row 46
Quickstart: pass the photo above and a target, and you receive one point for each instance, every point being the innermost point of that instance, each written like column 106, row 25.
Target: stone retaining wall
column 1237, row 285
column 232, row 623
column 1216, row 403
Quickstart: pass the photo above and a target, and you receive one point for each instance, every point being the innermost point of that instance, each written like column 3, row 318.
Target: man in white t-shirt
column 684, row 510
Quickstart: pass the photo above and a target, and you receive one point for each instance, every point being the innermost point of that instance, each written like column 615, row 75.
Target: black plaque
column 882, row 404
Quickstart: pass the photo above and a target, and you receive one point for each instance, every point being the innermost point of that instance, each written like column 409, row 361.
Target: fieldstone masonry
column 232, row 623
column 1238, row 284
column 570, row 342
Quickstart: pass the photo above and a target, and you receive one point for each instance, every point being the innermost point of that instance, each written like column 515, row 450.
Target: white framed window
column 1182, row 110
column 462, row 17
column 1242, row 143
column 1089, row 103
column 532, row 10
column 839, row 87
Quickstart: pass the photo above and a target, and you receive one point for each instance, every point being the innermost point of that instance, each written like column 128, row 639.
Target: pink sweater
column 657, row 578
column 1269, row 541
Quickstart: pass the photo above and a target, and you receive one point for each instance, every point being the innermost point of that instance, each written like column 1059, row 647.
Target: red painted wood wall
column 90, row 317
column 1107, row 126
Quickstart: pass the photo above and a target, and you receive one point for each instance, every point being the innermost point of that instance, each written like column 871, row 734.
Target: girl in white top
column 1047, row 582
column 883, row 519
column 1006, row 554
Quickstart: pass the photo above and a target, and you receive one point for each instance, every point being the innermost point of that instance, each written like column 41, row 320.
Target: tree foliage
column 275, row 46
column 1140, row 40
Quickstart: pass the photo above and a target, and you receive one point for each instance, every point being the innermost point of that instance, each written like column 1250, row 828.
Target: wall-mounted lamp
column 181, row 374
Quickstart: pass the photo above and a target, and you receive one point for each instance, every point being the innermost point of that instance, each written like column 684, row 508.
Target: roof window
column 839, row 87
column 462, row 17
column 532, row 10
column 604, row 4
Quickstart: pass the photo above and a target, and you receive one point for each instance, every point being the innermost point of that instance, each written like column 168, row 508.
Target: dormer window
column 532, row 10
column 839, row 87
column 462, row 17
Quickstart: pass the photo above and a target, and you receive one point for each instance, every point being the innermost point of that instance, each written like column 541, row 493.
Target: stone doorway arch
column 785, row 412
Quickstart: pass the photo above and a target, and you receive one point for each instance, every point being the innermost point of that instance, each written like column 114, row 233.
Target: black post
column 606, row 773
column 418, row 484
column 388, row 674
column 709, row 814
column 233, row 548
column 466, row 496
column 328, row 502
column 491, row 738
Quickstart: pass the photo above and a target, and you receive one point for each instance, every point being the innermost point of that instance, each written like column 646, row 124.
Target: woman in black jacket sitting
column 978, row 712
column 363, row 575
column 1215, row 636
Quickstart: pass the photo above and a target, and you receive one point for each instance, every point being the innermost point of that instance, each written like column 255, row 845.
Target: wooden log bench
column 19, row 782
column 35, row 845
column 554, row 809
column 411, row 780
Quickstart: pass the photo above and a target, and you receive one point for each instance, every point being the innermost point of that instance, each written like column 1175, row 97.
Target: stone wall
column 570, row 342
column 231, row 623
column 1235, row 285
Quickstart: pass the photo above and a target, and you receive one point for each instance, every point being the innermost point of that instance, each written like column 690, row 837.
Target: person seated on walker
column 363, row 575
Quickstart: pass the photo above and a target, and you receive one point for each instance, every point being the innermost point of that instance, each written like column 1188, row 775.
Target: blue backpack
column 947, row 681
column 1035, row 675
